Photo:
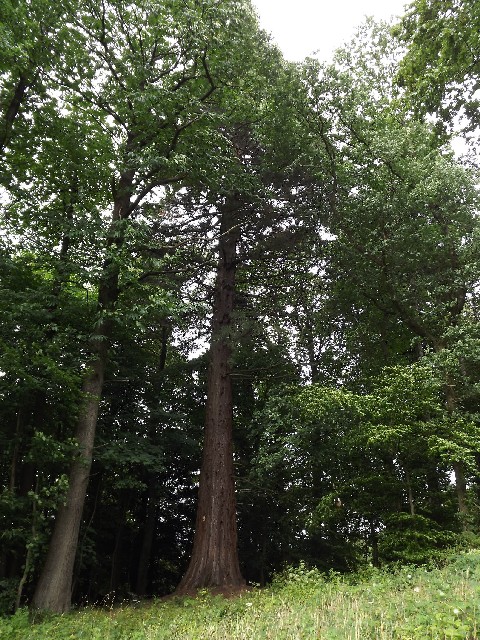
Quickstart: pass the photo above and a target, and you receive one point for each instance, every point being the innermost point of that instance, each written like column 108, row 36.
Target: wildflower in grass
column 416, row 589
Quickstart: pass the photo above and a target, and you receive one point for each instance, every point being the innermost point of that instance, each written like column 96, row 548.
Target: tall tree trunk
column 147, row 539
column 458, row 466
column 116, row 566
column 310, row 340
column 374, row 543
column 461, row 487
column 16, row 449
column 411, row 501
column 144, row 560
column 54, row 588
column 30, row 552
column 214, row 562
column 434, row 492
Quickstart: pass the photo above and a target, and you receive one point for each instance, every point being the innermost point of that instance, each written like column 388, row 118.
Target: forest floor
column 410, row 603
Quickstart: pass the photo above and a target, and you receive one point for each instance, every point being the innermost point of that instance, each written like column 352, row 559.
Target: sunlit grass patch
column 409, row 604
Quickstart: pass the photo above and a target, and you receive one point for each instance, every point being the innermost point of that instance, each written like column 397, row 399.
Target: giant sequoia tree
column 153, row 72
column 249, row 222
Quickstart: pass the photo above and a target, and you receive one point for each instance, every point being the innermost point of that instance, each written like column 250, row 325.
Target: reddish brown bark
column 214, row 563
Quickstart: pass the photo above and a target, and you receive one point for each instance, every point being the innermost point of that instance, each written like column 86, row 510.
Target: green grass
column 412, row 603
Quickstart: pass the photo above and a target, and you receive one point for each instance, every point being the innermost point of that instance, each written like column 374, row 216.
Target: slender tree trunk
column 94, row 489
column 151, row 505
column 312, row 356
column 411, row 501
column 458, row 466
column 116, row 567
column 434, row 492
column 214, row 562
column 461, row 486
column 374, row 543
column 29, row 556
column 54, row 588
column 263, row 558
column 147, row 540
column 16, row 449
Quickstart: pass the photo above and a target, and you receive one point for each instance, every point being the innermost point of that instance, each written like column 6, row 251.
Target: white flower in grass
column 249, row 604
column 416, row 589
column 456, row 611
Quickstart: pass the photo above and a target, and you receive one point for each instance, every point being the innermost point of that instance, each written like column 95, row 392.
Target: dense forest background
column 206, row 247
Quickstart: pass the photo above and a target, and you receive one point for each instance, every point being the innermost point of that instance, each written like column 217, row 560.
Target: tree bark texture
column 214, row 563
column 13, row 109
column 54, row 587
column 53, row 591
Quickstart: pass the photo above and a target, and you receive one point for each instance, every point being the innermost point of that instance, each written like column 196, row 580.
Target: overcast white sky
column 301, row 27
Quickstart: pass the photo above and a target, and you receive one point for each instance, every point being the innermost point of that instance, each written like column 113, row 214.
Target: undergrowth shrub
column 8, row 595
column 414, row 539
column 405, row 603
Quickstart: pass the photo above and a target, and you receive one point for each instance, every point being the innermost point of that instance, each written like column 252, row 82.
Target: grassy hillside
column 412, row 603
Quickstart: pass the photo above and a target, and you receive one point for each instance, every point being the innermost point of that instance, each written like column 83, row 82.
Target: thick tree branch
column 13, row 108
